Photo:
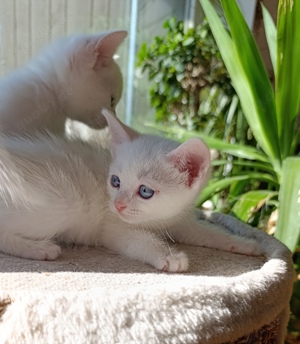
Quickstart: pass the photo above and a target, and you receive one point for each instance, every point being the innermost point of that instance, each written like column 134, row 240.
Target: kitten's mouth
column 97, row 121
column 129, row 217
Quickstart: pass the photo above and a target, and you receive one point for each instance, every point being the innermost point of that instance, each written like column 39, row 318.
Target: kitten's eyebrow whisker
column 168, row 234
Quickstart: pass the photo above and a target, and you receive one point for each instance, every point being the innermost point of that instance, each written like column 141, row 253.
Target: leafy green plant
column 243, row 181
column 191, row 85
column 271, row 113
column 272, row 168
column 264, row 177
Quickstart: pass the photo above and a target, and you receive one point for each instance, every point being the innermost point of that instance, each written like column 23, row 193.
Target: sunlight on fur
column 131, row 198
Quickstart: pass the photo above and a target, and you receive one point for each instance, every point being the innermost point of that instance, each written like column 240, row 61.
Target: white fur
column 74, row 201
column 74, row 77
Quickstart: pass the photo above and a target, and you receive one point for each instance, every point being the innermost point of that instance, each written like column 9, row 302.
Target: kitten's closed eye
column 146, row 192
column 112, row 102
column 115, row 181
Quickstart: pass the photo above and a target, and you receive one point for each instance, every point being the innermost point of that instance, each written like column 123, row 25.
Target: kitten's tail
column 13, row 188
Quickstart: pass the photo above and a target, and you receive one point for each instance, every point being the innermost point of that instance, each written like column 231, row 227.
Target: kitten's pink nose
column 120, row 206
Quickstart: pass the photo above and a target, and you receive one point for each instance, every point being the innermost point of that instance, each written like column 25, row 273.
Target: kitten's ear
column 120, row 133
column 191, row 157
column 104, row 47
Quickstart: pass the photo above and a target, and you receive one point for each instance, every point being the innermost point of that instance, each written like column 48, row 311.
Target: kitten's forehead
column 145, row 159
column 146, row 147
column 143, row 153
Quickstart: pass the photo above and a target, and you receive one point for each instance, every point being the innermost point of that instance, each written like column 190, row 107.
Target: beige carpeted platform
column 94, row 296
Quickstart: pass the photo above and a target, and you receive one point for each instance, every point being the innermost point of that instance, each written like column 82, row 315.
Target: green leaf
column 180, row 67
column 170, row 24
column 236, row 189
column 254, row 165
column 248, row 75
column 270, row 30
column 256, row 74
column 250, row 202
column 180, row 77
column 287, row 71
column 178, row 38
column 158, row 77
column 288, row 226
column 188, row 41
column 142, row 54
column 216, row 186
column 240, row 151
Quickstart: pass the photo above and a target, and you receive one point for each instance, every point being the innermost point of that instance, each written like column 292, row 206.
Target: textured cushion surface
column 91, row 295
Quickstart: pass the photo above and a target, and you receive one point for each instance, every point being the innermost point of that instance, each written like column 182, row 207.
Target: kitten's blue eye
column 115, row 181
column 146, row 192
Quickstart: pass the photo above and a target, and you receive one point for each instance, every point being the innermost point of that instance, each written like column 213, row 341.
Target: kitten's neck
column 27, row 103
column 163, row 225
column 50, row 104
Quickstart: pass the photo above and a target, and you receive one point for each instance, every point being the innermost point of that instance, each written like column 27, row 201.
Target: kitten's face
column 141, row 195
column 146, row 186
column 94, row 89
column 93, row 78
column 152, row 179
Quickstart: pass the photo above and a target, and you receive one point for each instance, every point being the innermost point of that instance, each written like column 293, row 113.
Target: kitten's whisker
column 163, row 230
column 168, row 234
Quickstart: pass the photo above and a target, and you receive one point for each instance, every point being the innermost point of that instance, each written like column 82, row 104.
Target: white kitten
column 129, row 200
column 74, row 77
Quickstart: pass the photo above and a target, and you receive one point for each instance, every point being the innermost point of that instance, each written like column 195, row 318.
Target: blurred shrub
column 191, row 85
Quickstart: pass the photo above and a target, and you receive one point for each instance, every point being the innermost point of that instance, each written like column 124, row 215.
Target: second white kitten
column 72, row 78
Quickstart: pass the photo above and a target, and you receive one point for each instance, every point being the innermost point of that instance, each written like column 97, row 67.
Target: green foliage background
column 258, row 174
column 191, row 85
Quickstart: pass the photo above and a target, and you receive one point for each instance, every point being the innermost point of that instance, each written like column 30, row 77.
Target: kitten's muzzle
column 120, row 206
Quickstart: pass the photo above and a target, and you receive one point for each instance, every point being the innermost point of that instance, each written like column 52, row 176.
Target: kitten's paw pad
column 46, row 251
column 175, row 262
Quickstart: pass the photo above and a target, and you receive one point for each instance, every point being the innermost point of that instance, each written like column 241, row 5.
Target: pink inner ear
column 190, row 164
column 191, row 157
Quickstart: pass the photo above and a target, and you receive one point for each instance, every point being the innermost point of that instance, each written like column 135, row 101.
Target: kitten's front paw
column 175, row 262
column 46, row 251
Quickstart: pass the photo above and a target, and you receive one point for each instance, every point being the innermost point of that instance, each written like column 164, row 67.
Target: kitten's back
column 57, row 167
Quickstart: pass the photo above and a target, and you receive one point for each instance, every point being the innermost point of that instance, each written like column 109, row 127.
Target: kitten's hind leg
column 16, row 245
column 144, row 246
column 202, row 233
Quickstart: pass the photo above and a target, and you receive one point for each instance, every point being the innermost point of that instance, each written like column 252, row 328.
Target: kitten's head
column 152, row 178
column 89, row 77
